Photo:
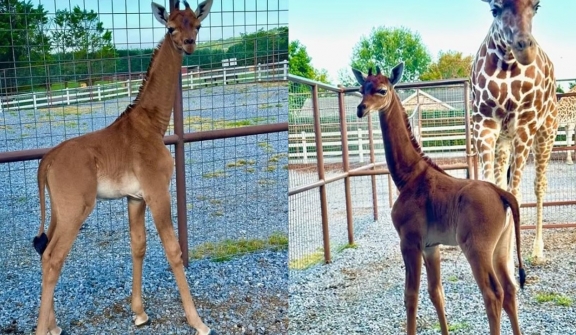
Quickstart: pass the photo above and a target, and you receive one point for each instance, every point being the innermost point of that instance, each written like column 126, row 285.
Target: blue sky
column 132, row 20
column 330, row 28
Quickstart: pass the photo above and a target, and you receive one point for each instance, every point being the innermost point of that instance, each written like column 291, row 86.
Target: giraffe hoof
column 140, row 324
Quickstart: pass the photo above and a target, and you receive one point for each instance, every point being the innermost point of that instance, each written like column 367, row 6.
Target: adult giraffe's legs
column 136, row 209
column 435, row 290
column 542, row 150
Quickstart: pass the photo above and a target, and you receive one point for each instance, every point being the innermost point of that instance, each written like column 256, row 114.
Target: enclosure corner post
column 472, row 174
column 180, row 173
column 373, row 163
column 321, row 174
column 346, row 166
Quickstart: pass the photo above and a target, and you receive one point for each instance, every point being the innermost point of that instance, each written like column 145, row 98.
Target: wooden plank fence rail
column 301, row 145
column 129, row 88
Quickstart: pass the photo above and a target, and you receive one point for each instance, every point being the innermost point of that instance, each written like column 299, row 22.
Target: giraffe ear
column 160, row 13
column 360, row 77
column 203, row 9
column 396, row 74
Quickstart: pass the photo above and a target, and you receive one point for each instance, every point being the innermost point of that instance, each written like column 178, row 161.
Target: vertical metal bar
column 346, row 166
column 180, row 169
column 373, row 160
column 467, row 127
column 419, row 110
column 321, row 174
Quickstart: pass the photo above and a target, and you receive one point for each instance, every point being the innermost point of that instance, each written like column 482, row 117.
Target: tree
column 263, row 46
column 82, row 34
column 22, row 39
column 386, row 47
column 450, row 64
column 571, row 85
column 299, row 63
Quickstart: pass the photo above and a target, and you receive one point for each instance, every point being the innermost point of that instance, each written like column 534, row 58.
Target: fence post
column 191, row 75
column 259, row 72
column 304, row 148
column 285, row 67
column 1, row 110
column 99, row 93
column 34, row 101
column 67, row 96
column 224, row 76
column 360, row 146
column 129, row 85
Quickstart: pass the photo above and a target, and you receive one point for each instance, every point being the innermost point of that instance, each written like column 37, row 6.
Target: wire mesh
column 53, row 88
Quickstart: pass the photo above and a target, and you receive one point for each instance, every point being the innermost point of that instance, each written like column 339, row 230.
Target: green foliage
column 263, row 46
column 572, row 85
column 22, row 39
column 559, row 89
column 450, row 64
column 386, row 47
column 300, row 63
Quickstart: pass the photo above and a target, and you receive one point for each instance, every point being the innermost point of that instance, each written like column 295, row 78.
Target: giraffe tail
column 510, row 201
column 40, row 242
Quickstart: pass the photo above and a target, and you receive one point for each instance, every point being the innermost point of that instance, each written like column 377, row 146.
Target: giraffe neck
column 153, row 105
column 403, row 153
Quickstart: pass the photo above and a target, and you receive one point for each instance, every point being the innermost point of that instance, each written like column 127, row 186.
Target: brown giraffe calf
column 126, row 159
column 435, row 208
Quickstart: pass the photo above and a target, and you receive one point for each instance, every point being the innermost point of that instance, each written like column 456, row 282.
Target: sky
column 331, row 28
column 133, row 25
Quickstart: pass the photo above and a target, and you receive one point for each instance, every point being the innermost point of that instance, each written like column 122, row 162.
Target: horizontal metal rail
column 32, row 154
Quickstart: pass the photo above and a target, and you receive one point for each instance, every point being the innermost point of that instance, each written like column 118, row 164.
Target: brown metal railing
column 377, row 168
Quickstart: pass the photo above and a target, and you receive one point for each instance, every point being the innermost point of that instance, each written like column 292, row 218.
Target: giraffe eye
column 170, row 30
column 381, row 91
column 496, row 11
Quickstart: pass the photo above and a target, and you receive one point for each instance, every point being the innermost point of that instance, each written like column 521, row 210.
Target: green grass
column 199, row 123
column 276, row 158
column 228, row 249
column 453, row 327
column 267, row 147
column 250, row 170
column 266, row 182
column 556, row 298
column 215, row 174
column 452, row 279
column 270, row 168
column 343, row 247
column 307, row 261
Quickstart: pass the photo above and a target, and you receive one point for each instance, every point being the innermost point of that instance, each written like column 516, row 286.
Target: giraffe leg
column 159, row 203
column 68, row 223
column 521, row 150
column 485, row 142
column 542, row 151
column 435, row 290
column 412, row 255
column 506, row 278
column 136, row 209
column 569, row 134
column 503, row 147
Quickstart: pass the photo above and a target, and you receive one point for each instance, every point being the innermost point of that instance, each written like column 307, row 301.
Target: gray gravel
column 361, row 291
column 247, row 295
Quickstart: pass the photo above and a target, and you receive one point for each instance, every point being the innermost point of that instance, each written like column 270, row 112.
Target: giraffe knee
column 174, row 255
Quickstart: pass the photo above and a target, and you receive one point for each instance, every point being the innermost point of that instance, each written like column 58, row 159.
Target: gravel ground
column 247, row 295
column 361, row 291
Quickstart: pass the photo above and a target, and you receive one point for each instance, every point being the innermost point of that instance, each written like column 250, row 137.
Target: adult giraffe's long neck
column 403, row 153
column 152, row 107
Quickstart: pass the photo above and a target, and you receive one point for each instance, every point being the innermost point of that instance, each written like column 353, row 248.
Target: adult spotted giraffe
column 127, row 159
column 514, row 103
column 567, row 119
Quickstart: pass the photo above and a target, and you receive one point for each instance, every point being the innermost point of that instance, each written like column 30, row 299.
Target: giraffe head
column 513, row 27
column 183, row 25
column 377, row 90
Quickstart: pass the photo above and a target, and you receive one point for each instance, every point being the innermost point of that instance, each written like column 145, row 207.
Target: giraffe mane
column 144, row 81
column 413, row 140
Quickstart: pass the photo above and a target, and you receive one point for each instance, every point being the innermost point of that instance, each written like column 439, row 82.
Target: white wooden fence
column 302, row 146
column 129, row 88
